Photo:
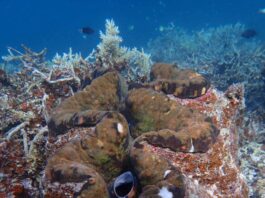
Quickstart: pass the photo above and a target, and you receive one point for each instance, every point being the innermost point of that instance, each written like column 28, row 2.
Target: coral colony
column 117, row 124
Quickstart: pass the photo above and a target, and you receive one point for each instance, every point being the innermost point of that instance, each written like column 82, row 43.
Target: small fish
column 249, row 33
column 86, row 31
column 262, row 11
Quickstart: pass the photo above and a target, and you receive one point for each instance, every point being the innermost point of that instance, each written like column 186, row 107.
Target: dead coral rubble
column 26, row 102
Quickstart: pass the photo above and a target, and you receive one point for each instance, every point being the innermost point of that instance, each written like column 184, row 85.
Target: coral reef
column 252, row 156
column 221, row 53
column 70, row 127
column 236, row 59
column 28, row 58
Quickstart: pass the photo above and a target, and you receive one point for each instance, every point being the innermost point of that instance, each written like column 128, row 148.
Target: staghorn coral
column 70, row 65
column 63, row 69
column 132, row 63
column 29, row 57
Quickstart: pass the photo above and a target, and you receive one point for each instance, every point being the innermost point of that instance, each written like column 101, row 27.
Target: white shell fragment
column 120, row 128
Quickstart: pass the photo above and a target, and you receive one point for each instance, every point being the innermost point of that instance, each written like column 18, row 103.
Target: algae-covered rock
column 89, row 106
column 179, row 82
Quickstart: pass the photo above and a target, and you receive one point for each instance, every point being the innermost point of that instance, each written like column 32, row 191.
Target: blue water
column 54, row 24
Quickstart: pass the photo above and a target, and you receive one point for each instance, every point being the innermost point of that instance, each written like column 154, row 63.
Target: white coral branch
column 16, row 129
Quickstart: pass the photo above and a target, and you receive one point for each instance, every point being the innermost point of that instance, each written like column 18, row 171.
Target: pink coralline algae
column 215, row 173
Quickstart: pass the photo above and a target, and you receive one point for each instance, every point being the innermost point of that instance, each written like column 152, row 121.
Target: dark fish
column 87, row 30
column 249, row 33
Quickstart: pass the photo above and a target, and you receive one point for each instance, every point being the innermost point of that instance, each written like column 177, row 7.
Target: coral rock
column 181, row 83
column 87, row 107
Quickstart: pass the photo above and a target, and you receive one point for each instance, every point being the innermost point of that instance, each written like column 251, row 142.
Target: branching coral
column 61, row 69
column 68, row 63
column 29, row 57
column 221, row 53
column 133, row 63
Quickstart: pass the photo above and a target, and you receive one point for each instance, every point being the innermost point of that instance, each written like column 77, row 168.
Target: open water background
column 54, row 24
